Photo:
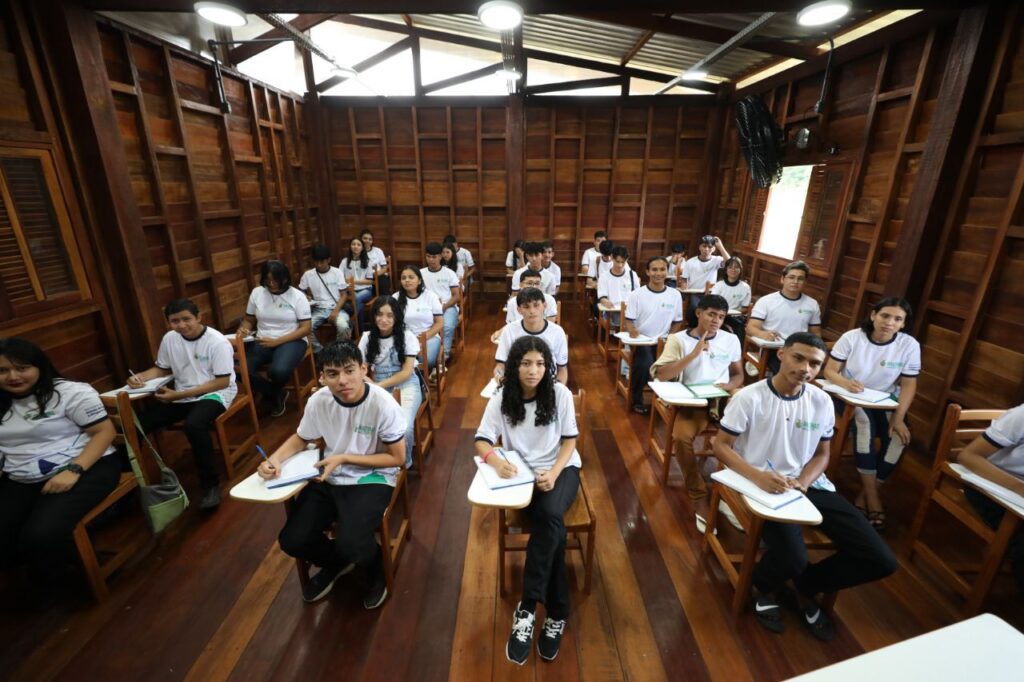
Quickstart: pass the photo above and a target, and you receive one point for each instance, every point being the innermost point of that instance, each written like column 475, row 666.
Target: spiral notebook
column 297, row 468
column 523, row 475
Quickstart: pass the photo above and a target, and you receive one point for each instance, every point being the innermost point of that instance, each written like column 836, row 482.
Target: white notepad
column 640, row 340
column 868, row 395
column 523, row 475
column 741, row 484
column 675, row 393
column 706, row 391
column 1006, row 495
column 151, row 386
column 489, row 389
column 299, row 467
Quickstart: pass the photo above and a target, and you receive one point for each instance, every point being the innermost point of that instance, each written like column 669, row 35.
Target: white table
column 514, row 497
column 254, row 489
column 984, row 648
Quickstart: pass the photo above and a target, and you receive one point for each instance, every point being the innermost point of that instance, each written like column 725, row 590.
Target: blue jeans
column 433, row 346
column 451, row 321
column 282, row 360
column 362, row 296
column 412, row 398
column 341, row 323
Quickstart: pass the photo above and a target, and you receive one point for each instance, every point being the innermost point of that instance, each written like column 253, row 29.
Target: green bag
column 163, row 502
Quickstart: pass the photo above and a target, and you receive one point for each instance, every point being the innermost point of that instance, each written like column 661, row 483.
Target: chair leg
column 87, row 554
column 709, row 529
column 746, row 574
column 502, row 530
column 990, row 566
column 588, row 564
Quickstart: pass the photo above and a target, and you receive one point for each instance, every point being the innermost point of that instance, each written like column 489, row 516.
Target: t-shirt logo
column 805, row 425
column 201, row 358
column 892, row 364
column 365, row 429
column 285, row 304
column 805, row 311
column 38, row 416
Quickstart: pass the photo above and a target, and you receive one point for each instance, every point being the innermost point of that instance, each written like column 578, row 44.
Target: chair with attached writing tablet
column 606, row 339
column 756, row 352
column 305, row 379
column 667, row 411
column 423, row 428
column 945, row 489
column 580, row 520
column 436, row 376
column 622, row 382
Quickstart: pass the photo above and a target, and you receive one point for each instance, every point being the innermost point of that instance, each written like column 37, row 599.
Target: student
column 534, row 261
column 446, row 286
column 373, row 253
column 390, row 351
column 531, row 306
column 878, row 355
column 653, row 310
column 998, row 455
column 358, row 271
column 364, row 431
column 737, row 293
column 616, row 286
column 280, row 315
column 56, row 459
column 549, row 265
column 705, row 354
column 464, row 255
column 592, row 254
column 516, row 258
column 701, row 270
column 448, row 260
column 534, row 416
column 676, row 260
column 530, row 278
column 202, row 362
column 785, row 312
column 776, row 433
column 603, row 263
column 421, row 310
column 327, row 291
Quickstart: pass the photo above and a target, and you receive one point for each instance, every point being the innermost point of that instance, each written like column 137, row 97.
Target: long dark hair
column 733, row 260
column 403, row 299
column 868, row 327
column 512, row 405
column 451, row 263
column 397, row 332
column 364, row 257
column 27, row 353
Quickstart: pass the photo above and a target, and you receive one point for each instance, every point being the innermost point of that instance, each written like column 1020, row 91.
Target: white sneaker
column 724, row 510
column 702, row 525
column 751, row 369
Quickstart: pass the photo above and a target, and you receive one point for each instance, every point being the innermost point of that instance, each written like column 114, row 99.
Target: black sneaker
column 319, row 586
column 377, row 594
column 768, row 613
column 280, row 404
column 550, row 638
column 818, row 622
column 210, row 499
column 518, row 648
column 641, row 409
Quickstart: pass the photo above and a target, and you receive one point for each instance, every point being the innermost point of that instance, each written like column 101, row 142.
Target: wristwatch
column 75, row 469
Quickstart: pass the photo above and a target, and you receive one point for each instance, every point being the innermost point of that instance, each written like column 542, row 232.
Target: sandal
column 768, row 613
column 877, row 520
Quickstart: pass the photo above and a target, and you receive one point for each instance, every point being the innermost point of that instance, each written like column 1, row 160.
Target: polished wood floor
column 215, row 599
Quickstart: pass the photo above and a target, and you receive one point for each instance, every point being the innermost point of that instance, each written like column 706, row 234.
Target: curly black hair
column 397, row 332
column 512, row 405
column 25, row 352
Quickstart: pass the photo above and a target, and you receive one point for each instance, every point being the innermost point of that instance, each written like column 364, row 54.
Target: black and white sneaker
column 319, row 586
column 377, row 593
column 518, row 648
column 550, row 638
column 210, row 500
column 281, row 404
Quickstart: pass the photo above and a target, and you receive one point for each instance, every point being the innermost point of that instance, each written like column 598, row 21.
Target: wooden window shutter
column 753, row 217
column 821, row 212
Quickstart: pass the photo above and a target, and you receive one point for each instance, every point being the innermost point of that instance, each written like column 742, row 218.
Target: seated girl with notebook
column 363, row 429
column 421, row 310
column 776, row 433
column 533, row 415
column 705, row 354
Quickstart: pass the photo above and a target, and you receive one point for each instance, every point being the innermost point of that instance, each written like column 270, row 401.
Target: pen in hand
column 264, row 456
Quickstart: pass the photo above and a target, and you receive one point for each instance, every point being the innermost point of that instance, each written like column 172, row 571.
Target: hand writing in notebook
column 772, row 481
column 505, row 468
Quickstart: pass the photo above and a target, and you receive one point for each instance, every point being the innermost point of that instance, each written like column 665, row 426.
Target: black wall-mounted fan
column 761, row 140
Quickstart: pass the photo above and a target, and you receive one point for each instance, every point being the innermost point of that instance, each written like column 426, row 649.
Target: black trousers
column 198, row 419
column 545, row 578
column 641, row 372
column 36, row 528
column 355, row 511
column 861, row 557
column 992, row 514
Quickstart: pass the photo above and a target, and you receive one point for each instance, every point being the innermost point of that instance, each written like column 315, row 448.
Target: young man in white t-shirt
column 705, row 354
column 785, row 312
column 327, row 291
column 530, row 278
column 462, row 255
column 617, row 284
column 676, row 260
column 998, row 455
column 364, row 432
column 446, row 285
column 548, row 265
column 653, row 310
column 601, row 264
column 776, row 433
column 202, row 362
column 534, row 252
column 592, row 254
column 531, row 306
column 701, row 270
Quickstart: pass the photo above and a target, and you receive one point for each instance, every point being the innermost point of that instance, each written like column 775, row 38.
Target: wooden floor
column 216, row 599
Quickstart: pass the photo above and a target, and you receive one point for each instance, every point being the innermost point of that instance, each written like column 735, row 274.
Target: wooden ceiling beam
column 303, row 22
column 575, row 85
column 463, row 78
column 368, row 63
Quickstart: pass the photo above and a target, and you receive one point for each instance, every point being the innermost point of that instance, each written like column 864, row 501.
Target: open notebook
column 523, row 475
column 299, row 467
column 151, row 386
column 741, row 484
column 1009, row 497
column 868, row 395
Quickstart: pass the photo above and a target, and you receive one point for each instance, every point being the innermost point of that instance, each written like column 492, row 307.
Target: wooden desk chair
column 558, row 313
column 459, row 344
column 580, row 520
column 242, row 404
column 440, row 379
column 666, row 450
column 756, row 356
column 305, row 387
column 945, row 489
column 467, row 292
column 622, row 382
column 606, row 340
column 423, row 428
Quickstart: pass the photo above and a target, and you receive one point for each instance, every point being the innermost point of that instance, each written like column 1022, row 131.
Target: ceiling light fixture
column 508, row 74
column 219, row 13
column 695, row 75
column 343, row 71
column 501, row 15
column 824, row 12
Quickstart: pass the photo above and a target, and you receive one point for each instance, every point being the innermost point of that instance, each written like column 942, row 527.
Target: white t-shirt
column 1007, row 434
column 356, row 271
column 465, row 257
column 325, row 287
column 553, row 334
column 420, row 311
column 737, row 295
column 547, row 280
column 711, row 366
column 698, row 273
column 34, row 446
column 194, row 362
column 654, row 312
column 786, row 316
column 588, row 258
column 617, row 288
column 387, row 356
column 440, row 282
column 538, row 445
column 600, row 267
column 277, row 314
column 362, row 428
column 556, row 274
column 877, row 365
column 510, row 260
column 672, row 274
column 512, row 309
column 376, row 257
column 782, row 430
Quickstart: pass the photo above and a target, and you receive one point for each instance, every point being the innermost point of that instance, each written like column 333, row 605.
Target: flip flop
column 769, row 613
column 877, row 520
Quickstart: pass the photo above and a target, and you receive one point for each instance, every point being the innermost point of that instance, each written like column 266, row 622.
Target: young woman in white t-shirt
column 421, row 309
column 534, row 416
column 879, row 356
column 516, row 258
column 55, row 454
column 450, row 261
column 737, row 293
column 358, row 270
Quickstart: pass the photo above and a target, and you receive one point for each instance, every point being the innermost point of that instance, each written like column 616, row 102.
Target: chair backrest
column 122, row 415
column 242, row 374
column 579, row 401
column 959, row 428
column 558, row 313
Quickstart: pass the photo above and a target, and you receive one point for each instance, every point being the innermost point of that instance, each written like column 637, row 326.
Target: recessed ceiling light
column 695, row 75
column 501, row 15
column 219, row 13
column 824, row 12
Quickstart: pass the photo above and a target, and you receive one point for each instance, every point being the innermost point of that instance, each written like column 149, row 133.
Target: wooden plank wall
column 218, row 194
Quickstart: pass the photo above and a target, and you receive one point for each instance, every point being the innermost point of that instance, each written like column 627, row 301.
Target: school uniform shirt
column 698, row 273
column 355, row 270
column 711, row 366
column 324, row 287
column 420, row 311
column 512, row 309
column 1007, row 434
column 465, row 257
column 510, row 260
column 878, row 365
column 672, row 270
column 387, row 354
column 617, row 288
column 600, row 268
column 556, row 275
column 552, row 334
column 198, row 361
column 654, row 312
column 736, row 295
column 586, row 262
column 35, row 444
column 277, row 314
column 785, row 315
column 440, row 282
column 538, row 445
column 547, row 280
column 783, row 430
column 365, row 427
column 376, row 257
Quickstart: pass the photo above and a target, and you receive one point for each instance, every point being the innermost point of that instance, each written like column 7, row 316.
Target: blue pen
column 264, row 456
